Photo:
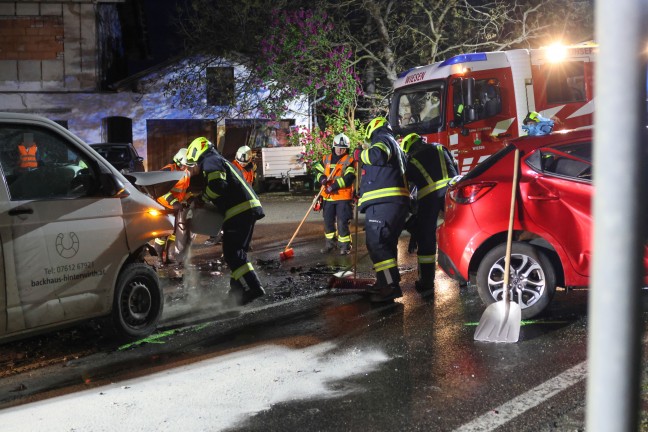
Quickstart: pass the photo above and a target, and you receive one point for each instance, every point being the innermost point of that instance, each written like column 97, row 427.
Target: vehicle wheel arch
column 520, row 236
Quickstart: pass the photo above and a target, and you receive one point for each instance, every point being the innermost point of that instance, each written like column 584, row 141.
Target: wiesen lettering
column 415, row 78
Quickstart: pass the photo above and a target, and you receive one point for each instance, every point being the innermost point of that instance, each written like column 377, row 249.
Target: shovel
column 501, row 320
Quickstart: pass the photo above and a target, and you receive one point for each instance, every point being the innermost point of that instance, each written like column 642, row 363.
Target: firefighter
column 226, row 189
column 336, row 174
column 384, row 199
column 243, row 161
column 429, row 168
column 174, row 199
column 28, row 156
column 245, row 164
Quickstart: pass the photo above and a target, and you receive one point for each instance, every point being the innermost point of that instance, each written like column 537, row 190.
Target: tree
column 376, row 38
column 392, row 36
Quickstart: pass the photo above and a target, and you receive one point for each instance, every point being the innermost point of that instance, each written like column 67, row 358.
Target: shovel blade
column 500, row 322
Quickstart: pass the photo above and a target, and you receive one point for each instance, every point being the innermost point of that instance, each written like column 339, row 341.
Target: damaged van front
column 74, row 233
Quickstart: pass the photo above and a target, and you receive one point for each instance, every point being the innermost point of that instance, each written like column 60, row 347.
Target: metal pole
column 614, row 344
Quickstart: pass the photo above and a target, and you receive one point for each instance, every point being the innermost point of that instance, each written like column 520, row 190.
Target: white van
column 73, row 234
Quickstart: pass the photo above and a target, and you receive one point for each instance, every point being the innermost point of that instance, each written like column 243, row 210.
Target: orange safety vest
column 345, row 193
column 248, row 173
column 179, row 191
column 27, row 157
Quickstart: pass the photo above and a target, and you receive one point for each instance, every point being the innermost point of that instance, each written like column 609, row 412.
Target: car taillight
column 468, row 194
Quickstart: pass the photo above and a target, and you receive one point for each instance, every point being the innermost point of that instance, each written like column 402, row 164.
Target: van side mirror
column 113, row 187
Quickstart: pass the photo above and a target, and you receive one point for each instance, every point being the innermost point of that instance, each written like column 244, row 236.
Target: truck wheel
column 138, row 302
column 531, row 273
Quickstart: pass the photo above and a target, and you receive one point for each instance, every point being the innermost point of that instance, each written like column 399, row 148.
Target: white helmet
column 244, row 154
column 180, row 158
column 341, row 141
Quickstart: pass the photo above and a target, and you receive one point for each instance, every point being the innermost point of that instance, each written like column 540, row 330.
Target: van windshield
column 418, row 108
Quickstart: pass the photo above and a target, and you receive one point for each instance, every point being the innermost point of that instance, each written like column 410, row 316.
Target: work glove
column 329, row 189
column 323, row 181
column 177, row 206
column 356, row 154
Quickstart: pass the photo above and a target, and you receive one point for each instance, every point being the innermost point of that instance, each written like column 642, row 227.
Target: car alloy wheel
column 532, row 279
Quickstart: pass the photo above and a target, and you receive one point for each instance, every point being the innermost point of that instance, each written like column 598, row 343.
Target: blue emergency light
column 464, row 58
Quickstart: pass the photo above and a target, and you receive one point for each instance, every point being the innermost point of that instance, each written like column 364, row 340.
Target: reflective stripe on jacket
column 430, row 168
column 342, row 179
column 226, row 187
column 178, row 192
column 383, row 171
column 27, row 156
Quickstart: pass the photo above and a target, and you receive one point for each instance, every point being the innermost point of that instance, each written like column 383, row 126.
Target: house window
column 220, row 86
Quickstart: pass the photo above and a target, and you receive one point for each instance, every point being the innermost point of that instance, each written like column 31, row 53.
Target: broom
column 341, row 280
column 288, row 252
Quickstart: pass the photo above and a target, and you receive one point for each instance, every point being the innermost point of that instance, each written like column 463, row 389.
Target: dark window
column 220, row 86
column 571, row 160
column 61, row 171
column 566, row 82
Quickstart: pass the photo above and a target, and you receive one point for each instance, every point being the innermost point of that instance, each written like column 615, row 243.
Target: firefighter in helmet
column 384, row 200
column 430, row 168
column 226, row 189
column 244, row 162
column 336, row 174
column 174, row 199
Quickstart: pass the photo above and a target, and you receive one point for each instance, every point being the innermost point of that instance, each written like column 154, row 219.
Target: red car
column 552, row 225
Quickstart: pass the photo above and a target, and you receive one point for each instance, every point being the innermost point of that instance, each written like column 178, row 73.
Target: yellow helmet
column 180, row 158
column 407, row 142
column 196, row 149
column 375, row 124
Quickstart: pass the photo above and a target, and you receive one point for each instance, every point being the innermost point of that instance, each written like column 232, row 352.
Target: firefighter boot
column 242, row 292
column 383, row 290
column 328, row 246
column 345, row 248
column 386, row 293
column 425, row 284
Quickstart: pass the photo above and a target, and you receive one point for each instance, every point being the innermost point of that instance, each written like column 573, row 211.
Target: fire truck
column 474, row 103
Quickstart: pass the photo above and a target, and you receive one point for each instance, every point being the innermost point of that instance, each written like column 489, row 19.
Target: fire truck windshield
column 418, row 108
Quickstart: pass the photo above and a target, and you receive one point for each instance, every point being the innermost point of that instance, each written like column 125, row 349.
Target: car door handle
column 20, row 211
column 550, row 197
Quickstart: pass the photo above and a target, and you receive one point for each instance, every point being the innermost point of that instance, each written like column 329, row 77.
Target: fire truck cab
column 475, row 103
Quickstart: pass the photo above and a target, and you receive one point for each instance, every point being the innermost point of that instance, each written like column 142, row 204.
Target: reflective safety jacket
column 341, row 181
column 27, row 157
column 248, row 171
column 383, row 171
column 178, row 192
column 226, row 188
column 430, row 167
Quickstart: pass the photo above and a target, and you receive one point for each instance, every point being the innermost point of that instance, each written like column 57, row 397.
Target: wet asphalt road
column 427, row 372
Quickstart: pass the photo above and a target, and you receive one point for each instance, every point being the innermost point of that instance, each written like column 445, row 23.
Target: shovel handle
column 509, row 236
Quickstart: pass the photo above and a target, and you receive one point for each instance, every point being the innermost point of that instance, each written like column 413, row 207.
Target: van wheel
column 138, row 302
column 532, row 274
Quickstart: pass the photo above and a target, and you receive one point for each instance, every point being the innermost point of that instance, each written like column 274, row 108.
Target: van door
column 67, row 241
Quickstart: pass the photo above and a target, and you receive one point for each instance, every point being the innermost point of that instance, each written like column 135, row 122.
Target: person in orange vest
column 173, row 199
column 28, row 157
column 243, row 161
column 336, row 174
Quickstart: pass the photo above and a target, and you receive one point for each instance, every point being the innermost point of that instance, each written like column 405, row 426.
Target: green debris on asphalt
column 525, row 322
column 154, row 338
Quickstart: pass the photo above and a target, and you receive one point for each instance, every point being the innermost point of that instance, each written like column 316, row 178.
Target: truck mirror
column 112, row 186
column 470, row 114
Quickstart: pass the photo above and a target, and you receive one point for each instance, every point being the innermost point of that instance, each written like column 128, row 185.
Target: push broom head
column 286, row 254
column 345, row 280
